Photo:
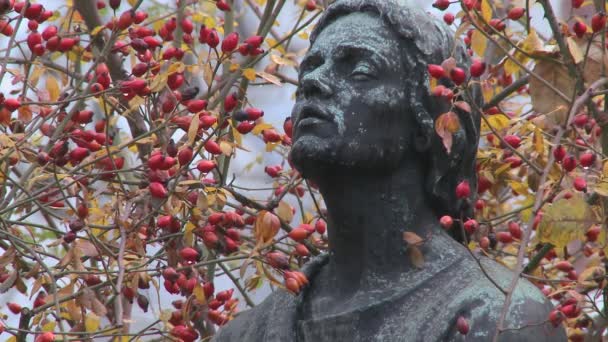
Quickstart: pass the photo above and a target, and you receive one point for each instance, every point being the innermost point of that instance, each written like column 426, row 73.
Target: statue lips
column 312, row 115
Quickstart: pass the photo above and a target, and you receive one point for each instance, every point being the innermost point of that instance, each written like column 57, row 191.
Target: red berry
column 436, row 71
column 448, row 18
column 515, row 230
column 206, row 165
column 587, row 159
column 14, row 308
column 458, row 76
column 441, row 4
column 564, row 266
column 446, row 221
column 504, row 237
column 158, row 190
column 189, row 254
column 598, row 22
column 187, row 25
column 516, row 13
column 223, row 5
column 230, row 102
column 288, row 127
column 245, row 127
column 555, row 316
column 11, row 104
column 320, row 226
column 463, row 189
column 569, row 163
column 45, row 337
column 311, row 5
column 230, row 42
column 477, row 68
column 559, row 153
column 195, row 106
column 213, row 39
column 470, row 226
column 577, row 3
column 580, row 184
column 254, row 113
column 513, row 140
column 184, row 156
column 579, row 29
column 593, row 233
column 462, row 325
column 298, row 234
column 213, row 147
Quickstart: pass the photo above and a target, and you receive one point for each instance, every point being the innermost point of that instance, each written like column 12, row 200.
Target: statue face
column 351, row 109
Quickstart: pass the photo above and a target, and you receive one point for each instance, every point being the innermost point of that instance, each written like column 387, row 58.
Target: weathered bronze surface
column 364, row 133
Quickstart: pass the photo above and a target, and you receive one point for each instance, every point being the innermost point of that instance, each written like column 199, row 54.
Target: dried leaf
column 445, row 125
column 270, row 78
column 285, row 212
column 226, row 148
column 479, row 43
column 91, row 322
column 53, row 87
column 416, row 256
column 412, row 239
column 249, row 74
column 266, row 227
column 545, row 100
column 193, row 129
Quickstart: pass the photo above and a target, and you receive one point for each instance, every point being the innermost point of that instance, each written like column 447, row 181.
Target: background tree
column 120, row 122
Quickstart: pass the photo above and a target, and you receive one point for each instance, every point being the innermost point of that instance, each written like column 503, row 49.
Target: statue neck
column 367, row 216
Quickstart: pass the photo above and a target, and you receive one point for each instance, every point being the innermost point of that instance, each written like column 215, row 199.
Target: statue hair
column 426, row 40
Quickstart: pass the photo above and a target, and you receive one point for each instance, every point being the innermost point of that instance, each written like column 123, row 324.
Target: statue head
column 364, row 103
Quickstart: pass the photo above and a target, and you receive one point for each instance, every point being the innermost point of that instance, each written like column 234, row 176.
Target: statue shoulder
column 261, row 321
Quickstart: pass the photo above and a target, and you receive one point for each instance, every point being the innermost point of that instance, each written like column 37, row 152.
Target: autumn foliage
column 118, row 125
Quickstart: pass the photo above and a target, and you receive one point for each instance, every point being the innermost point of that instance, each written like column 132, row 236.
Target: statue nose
column 314, row 85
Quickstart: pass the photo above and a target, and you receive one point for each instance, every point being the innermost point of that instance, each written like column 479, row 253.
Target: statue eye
column 363, row 72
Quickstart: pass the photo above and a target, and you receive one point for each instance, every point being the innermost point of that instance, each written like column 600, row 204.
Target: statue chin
column 316, row 158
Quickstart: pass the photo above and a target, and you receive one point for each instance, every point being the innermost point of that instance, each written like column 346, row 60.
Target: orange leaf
column 445, row 125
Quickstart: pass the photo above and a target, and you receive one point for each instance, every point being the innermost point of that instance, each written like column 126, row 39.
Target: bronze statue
column 364, row 133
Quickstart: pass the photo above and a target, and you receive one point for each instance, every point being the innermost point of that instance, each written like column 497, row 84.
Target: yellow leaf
column 207, row 74
column 566, row 220
column 176, row 67
column 497, row 121
column 249, row 74
column 53, row 87
column 486, row 11
column 12, row 339
column 91, row 322
column 96, row 30
column 226, row 148
column 159, row 82
column 193, row 129
column 283, row 61
column 479, row 43
column 132, row 2
column 275, row 45
column 260, row 127
column 539, row 141
column 575, row 50
column 199, row 293
column 49, row 326
column 285, row 212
